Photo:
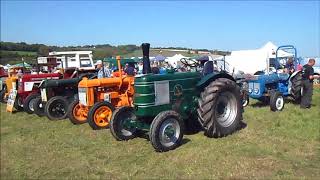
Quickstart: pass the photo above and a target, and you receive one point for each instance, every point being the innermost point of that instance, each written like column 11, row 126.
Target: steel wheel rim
column 127, row 130
column 78, row 113
column 31, row 104
column 102, row 116
column 57, row 109
column 279, row 102
column 169, row 132
column 226, row 109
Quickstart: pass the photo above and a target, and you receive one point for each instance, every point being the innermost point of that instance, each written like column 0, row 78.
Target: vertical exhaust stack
column 146, row 61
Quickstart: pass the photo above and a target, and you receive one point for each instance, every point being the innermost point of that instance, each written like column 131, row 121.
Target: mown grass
column 274, row 145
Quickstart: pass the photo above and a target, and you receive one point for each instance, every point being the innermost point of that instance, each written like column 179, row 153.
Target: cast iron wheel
column 76, row 113
column 220, row 108
column 28, row 104
column 120, row 126
column 296, row 87
column 245, row 101
column 38, row 107
column 56, row 108
column 100, row 114
column 18, row 103
column 166, row 131
column 276, row 101
column 2, row 94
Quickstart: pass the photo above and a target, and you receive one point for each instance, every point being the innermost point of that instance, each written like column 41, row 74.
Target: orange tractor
column 98, row 98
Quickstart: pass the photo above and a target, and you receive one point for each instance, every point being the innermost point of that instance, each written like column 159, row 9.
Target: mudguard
column 211, row 77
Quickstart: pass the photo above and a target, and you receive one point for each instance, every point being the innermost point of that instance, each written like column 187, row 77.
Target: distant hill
column 11, row 52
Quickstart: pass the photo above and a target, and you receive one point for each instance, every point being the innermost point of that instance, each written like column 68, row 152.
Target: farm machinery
column 24, row 86
column 274, row 84
column 98, row 98
column 164, row 103
column 56, row 94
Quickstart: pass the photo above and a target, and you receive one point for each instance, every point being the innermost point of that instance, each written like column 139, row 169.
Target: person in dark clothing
column 289, row 67
column 307, row 84
column 129, row 69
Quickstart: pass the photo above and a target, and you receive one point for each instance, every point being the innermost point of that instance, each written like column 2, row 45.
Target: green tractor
column 165, row 104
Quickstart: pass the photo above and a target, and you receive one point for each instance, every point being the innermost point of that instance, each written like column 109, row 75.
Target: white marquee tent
column 173, row 61
column 251, row 61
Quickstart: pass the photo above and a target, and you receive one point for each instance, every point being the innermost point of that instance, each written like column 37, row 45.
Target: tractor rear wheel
column 28, row 104
column 296, row 87
column 38, row 107
column 276, row 101
column 220, row 108
column 166, row 131
column 76, row 113
column 120, row 126
column 100, row 114
column 56, row 108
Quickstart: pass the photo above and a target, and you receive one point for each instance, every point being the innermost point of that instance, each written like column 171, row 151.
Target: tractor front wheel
column 56, row 108
column 28, row 104
column 2, row 94
column 38, row 107
column 276, row 101
column 76, row 113
column 100, row 115
column 18, row 103
column 220, row 108
column 166, row 131
column 120, row 124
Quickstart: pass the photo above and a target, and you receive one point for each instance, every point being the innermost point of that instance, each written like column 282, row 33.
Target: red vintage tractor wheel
column 100, row 115
column 77, row 113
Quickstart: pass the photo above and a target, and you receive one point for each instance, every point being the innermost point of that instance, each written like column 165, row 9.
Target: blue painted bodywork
column 261, row 85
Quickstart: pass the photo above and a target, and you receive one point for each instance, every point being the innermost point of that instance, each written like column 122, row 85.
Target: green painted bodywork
column 184, row 103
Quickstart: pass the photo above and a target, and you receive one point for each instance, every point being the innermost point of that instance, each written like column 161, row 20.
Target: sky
column 232, row 25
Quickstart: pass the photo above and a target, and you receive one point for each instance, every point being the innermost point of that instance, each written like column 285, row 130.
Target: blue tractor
column 278, row 82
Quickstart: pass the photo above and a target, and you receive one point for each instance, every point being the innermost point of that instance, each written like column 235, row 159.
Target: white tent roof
column 251, row 61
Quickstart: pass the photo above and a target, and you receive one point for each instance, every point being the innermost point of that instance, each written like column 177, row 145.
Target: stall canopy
column 159, row 58
column 251, row 61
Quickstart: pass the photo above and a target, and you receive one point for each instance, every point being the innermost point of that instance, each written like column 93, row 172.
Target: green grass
column 274, row 145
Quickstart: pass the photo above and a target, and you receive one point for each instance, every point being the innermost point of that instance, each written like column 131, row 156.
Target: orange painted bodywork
column 119, row 88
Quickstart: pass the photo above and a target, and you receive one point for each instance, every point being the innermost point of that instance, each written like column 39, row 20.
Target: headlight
column 250, row 90
column 256, row 91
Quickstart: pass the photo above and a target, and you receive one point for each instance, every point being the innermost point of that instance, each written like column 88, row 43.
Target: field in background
column 273, row 145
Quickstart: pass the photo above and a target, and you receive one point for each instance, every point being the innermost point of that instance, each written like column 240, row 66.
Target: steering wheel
column 186, row 63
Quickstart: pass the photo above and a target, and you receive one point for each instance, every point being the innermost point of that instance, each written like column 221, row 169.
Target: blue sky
column 209, row 24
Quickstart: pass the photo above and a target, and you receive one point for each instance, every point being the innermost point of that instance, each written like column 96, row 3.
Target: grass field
column 274, row 145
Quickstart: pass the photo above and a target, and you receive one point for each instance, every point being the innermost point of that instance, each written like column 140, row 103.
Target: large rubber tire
column 38, row 107
column 100, row 114
column 220, row 108
column 56, row 108
column 18, row 103
column 117, row 127
column 29, row 103
column 276, row 101
column 74, row 115
column 166, row 131
column 296, row 87
column 2, row 94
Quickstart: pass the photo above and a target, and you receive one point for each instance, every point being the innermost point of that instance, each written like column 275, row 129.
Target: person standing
column 307, row 84
column 102, row 70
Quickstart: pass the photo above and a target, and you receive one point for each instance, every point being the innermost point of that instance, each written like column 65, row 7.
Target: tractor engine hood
column 105, row 82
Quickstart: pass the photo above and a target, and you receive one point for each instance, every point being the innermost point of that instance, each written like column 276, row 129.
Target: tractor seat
column 207, row 68
column 283, row 76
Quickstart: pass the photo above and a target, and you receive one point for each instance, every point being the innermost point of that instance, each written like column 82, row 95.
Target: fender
column 211, row 77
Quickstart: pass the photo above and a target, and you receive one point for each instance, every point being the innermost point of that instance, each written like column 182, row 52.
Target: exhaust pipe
column 146, row 61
